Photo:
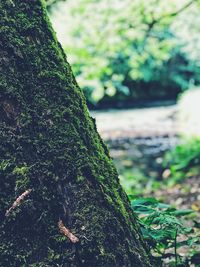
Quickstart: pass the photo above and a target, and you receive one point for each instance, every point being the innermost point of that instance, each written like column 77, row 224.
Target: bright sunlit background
column 130, row 50
column 138, row 64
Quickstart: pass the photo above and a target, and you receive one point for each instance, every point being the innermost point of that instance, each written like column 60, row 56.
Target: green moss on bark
column 49, row 143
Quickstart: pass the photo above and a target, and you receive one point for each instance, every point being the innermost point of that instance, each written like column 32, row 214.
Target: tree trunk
column 61, row 203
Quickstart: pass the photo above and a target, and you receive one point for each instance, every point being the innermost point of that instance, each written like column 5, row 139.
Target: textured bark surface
column 55, row 170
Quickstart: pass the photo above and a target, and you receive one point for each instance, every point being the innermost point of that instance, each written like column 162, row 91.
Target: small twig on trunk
column 18, row 201
column 67, row 233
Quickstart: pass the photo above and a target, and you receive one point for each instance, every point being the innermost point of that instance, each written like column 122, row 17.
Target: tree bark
column 61, row 203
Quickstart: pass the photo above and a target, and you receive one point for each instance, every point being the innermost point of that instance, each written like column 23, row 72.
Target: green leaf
column 179, row 213
column 142, row 209
column 144, row 201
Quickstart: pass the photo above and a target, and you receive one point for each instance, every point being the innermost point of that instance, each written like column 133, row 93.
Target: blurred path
column 139, row 138
column 141, row 123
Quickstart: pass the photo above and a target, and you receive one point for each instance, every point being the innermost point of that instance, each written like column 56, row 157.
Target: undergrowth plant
column 184, row 160
column 164, row 229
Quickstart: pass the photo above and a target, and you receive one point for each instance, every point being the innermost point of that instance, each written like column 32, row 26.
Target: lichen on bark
column 50, row 145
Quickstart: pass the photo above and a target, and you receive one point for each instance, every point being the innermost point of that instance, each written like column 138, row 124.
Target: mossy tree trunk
column 54, row 166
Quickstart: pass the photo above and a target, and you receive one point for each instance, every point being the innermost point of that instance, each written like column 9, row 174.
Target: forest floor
column 138, row 140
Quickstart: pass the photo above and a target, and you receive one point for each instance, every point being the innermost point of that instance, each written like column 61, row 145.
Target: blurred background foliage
column 125, row 52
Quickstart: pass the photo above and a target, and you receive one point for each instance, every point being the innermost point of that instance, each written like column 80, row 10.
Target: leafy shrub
column 165, row 232
column 184, row 159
